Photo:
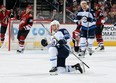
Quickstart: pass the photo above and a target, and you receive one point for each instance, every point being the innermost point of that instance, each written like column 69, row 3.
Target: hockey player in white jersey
column 87, row 18
column 59, row 50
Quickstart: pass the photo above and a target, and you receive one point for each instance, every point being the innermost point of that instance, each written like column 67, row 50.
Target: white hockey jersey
column 59, row 35
column 87, row 18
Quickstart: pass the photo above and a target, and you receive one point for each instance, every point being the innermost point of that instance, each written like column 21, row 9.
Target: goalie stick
column 65, row 46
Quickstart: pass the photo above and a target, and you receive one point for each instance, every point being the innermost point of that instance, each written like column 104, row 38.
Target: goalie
column 59, row 50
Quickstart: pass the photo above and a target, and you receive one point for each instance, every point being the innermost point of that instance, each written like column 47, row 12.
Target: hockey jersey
column 4, row 18
column 87, row 18
column 60, row 34
column 26, row 20
column 99, row 17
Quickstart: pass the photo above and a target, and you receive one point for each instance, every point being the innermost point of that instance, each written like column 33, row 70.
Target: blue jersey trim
column 88, row 28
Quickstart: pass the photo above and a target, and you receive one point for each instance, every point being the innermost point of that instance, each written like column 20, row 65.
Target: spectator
column 69, row 3
column 56, row 16
column 12, row 13
column 74, row 7
column 107, row 5
column 38, row 17
column 61, row 6
column 111, row 18
column 113, row 9
column 18, row 13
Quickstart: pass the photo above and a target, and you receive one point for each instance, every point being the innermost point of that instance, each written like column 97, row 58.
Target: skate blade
column 53, row 73
column 83, row 67
column 19, row 52
column 98, row 50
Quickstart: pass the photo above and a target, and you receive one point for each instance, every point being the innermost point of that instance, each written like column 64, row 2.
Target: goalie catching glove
column 44, row 42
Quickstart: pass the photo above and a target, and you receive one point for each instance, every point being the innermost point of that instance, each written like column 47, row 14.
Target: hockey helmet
column 55, row 22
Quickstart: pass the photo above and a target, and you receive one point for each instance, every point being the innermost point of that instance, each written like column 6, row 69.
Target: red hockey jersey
column 26, row 20
column 99, row 17
column 4, row 18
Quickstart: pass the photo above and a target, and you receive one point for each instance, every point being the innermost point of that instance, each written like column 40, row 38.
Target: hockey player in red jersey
column 4, row 18
column 76, row 37
column 24, row 27
column 99, row 28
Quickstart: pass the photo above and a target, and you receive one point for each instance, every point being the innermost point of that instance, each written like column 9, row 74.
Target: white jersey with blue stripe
column 62, row 34
column 59, row 35
column 87, row 17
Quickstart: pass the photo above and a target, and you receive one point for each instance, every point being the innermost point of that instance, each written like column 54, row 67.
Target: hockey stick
column 65, row 46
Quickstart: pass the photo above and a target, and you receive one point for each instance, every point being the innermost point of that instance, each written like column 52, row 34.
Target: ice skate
column 76, row 49
column 100, row 48
column 20, row 51
column 82, row 54
column 78, row 67
column 53, row 71
column 90, row 51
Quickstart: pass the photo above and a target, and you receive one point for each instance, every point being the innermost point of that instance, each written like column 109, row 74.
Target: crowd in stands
column 72, row 7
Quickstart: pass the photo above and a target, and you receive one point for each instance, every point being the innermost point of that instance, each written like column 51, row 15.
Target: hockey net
column 33, row 40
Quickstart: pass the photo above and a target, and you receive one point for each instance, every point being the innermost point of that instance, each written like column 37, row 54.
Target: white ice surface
column 33, row 67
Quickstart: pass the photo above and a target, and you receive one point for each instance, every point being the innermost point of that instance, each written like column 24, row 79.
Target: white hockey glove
column 102, row 21
column 28, row 27
column 75, row 21
column 77, row 34
column 53, row 41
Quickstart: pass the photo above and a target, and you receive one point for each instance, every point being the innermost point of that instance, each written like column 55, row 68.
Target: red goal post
column 33, row 39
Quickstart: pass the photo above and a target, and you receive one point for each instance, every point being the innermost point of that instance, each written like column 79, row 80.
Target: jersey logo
column 84, row 19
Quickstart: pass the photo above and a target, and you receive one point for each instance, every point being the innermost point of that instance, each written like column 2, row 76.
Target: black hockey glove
column 101, row 27
column 44, row 42
column 62, row 42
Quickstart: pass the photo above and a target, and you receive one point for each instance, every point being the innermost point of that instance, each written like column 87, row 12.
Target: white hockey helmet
column 83, row 1
column 55, row 22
